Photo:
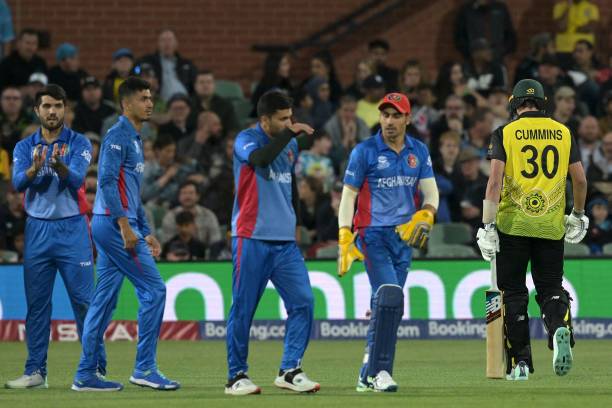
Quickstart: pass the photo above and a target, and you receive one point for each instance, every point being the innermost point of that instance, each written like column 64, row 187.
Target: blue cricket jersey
column 387, row 181
column 47, row 196
column 262, row 206
column 120, row 170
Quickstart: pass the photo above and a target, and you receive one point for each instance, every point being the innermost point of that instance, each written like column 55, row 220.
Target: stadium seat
column 242, row 109
column 607, row 249
column 228, row 89
column 451, row 233
column 576, row 250
column 327, row 252
column 451, row 251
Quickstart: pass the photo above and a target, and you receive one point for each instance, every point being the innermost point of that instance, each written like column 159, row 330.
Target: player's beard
column 52, row 124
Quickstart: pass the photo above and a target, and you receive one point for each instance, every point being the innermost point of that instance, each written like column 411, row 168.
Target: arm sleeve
column 355, row 169
column 21, row 162
column 346, row 210
column 295, row 199
column 79, row 162
column 431, row 195
column 496, row 147
column 108, row 169
column 143, row 224
column 575, row 155
column 264, row 156
column 304, row 141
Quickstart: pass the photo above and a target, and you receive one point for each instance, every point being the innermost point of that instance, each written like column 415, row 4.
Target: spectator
column 179, row 109
column 367, row 107
column 423, row 113
column 576, row 20
column 482, row 72
column 174, row 73
column 322, row 66
column 205, row 99
column 605, row 122
column 184, row 246
column 123, row 63
column 5, row 168
column 302, row 107
column 452, row 119
column 219, row 196
column 600, row 225
column 13, row 215
column 326, row 219
column 412, row 76
column 498, row 102
column 205, row 141
column 565, row 106
column 485, row 19
column 13, row 118
column 316, row 163
column 94, row 139
column 322, row 108
column 346, row 129
column 551, row 77
column 378, row 52
column 473, row 186
column 162, row 177
column 601, row 161
column 448, row 177
column 37, row 82
column 584, row 72
column 364, row 69
column 276, row 75
column 16, row 68
column 68, row 73
column 479, row 132
column 91, row 180
column 310, row 191
column 92, row 110
column 589, row 140
column 206, row 224
column 540, row 45
column 6, row 27
column 451, row 81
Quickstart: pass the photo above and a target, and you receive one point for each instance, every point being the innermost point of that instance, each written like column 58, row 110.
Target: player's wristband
column 577, row 213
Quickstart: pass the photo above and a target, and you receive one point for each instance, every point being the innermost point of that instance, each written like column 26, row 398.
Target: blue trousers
column 387, row 260
column 255, row 263
column 114, row 263
column 52, row 245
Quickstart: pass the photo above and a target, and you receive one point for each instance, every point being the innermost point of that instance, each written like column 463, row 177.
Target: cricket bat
column 496, row 355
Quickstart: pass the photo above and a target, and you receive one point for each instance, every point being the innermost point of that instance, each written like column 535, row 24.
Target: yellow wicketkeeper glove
column 416, row 231
column 347, row 251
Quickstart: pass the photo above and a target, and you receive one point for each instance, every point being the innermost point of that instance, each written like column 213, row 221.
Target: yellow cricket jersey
column 579, row 14
column 537, row 151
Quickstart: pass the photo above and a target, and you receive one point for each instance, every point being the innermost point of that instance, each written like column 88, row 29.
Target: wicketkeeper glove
column 488, row 241
column 416, row 231
column 347, row 250
column 576, row 226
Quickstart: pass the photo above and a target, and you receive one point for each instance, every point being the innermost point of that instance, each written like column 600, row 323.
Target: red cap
column 397, row 100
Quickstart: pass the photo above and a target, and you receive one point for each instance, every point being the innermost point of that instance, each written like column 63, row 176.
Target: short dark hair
column 189, row 183
column 587, row 43
column 132, row 85
column 273, row 101
column 184, row 218
column 28, row 31
column 163, row 140
column 204, row 71
column 480, row 115
column 379, row 43
column 320, row 134
column 347, row 98
column 52, row 90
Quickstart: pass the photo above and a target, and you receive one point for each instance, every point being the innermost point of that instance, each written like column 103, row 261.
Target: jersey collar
column 381, row 145
column 533, row 114
column 127, row 125
column 63, row 136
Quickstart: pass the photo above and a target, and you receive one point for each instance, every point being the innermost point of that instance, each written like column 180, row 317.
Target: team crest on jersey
column 383, row 162
column 290, row 156
column 413, row 162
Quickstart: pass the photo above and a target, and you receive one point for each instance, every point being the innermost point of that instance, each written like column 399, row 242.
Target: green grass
column 430, row 374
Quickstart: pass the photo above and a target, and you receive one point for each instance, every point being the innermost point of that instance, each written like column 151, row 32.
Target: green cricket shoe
column 562, row 352
column 519, row 372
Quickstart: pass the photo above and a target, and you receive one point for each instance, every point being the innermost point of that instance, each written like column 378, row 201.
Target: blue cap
column 123, row 52
column 66, row 50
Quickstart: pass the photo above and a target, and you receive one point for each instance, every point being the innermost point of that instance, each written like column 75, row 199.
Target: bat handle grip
column 494, row 274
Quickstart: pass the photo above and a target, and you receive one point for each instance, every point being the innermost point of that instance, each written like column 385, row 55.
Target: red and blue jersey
column 262, row 205
column 387, row 181
column 47, row 196
column 120, row 171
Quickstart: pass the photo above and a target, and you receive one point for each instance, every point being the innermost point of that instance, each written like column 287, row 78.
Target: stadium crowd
column 189, row 141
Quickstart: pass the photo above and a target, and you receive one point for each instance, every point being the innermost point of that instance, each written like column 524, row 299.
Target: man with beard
column 49, row 166
column 125, row 248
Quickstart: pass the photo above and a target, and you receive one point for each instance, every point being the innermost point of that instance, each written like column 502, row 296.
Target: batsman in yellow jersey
column 524, row 220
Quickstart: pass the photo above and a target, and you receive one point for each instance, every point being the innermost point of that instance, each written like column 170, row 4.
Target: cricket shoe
column 241, row 384
column 363, row 385
column 96, row 384
column 296, row 380
column 382, row 382
column 519, row 372
column 34, row 380
column 562, row 351
column 153, row 379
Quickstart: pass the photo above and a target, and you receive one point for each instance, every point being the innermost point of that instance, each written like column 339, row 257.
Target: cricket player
column 50, row 166
column 263, row 244
column 383, row 175
column 530, row 159
column 125, row 248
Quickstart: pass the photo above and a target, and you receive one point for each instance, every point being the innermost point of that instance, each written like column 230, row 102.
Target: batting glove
column 488, row 241
column 576, row 226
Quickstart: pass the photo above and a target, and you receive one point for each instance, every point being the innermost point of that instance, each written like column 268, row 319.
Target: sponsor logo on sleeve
column 86, row 155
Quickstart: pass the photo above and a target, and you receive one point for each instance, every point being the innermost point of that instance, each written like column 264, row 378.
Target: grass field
column 429, row 373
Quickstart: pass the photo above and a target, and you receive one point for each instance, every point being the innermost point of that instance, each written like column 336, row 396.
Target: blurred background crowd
column 188, row 144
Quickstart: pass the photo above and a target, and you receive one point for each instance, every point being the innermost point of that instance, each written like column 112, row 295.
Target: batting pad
column 388, row 308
